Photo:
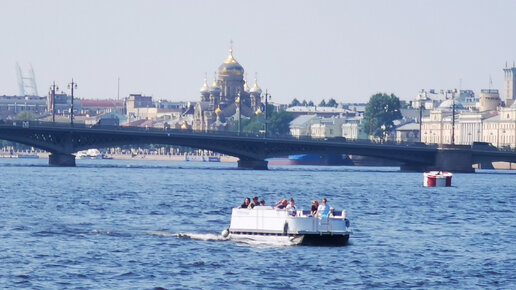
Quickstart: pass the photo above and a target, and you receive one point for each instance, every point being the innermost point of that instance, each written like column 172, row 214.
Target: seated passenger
column 262, row 202
column 323, row 210
column 246, row 204
column 282, row 204
column 255, row 202
column 332, row 212
column 291, row 208
column 315, row 206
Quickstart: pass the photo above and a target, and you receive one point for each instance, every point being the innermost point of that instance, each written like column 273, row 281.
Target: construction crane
column 26, row 84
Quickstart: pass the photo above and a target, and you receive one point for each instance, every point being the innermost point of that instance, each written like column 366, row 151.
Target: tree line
column 331, row 103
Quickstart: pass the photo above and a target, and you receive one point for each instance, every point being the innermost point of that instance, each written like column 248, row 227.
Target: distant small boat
column 90, row 153
column 437, row 179
column 30, row 156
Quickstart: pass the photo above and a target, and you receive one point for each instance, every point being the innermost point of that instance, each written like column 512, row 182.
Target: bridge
column 62, row 140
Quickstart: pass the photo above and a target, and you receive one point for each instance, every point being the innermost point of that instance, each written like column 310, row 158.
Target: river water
column 115, row 224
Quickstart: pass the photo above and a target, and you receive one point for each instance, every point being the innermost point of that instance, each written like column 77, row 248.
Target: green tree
column 25, row 116
column 322, row 103
column 279, row 123
column 295, row 102
column 332, row 103
column 380, row 112
column 304, row 103
column 311, row 103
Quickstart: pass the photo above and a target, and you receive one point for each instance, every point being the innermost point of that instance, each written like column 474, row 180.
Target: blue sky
column 313, row 50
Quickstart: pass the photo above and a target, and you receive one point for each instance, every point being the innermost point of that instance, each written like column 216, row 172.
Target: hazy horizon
column 312, row 50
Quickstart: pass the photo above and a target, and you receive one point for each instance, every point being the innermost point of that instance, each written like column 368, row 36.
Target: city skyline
column 346, row 50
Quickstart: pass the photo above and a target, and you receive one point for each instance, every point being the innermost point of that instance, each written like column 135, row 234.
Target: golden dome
column 218, row 110
column 237, row 100
column 230, row 59
column 259, row 111
column 184, row 126
column 231, row 66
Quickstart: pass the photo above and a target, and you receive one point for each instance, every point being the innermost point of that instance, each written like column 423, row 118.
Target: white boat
column 266, row 224
column 90, row 153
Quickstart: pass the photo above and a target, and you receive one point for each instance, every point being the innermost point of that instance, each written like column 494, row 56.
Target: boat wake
column 192, row 236
column 161, row 234
column 218, row 237
column 202, row 237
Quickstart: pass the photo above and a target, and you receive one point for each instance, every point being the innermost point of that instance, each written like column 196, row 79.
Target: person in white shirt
column 291, row 208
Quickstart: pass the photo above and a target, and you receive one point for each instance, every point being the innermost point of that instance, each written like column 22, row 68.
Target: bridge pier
column 446, row 159
column 252, row 164
column 60, row 159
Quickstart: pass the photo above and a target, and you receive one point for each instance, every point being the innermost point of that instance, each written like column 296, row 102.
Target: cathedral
column 228, row 98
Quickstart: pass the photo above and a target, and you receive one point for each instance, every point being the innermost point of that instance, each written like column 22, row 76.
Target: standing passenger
column 255, row 202
column 323, row 209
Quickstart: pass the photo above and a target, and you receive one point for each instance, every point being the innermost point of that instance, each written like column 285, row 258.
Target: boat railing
column 337, row 214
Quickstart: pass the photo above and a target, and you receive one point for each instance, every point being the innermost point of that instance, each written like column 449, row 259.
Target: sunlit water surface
column 116, row 224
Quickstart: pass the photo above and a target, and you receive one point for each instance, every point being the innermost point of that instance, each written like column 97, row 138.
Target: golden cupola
column 215, row 87
column 255, row 89
column 231, row 67
column 205, row 88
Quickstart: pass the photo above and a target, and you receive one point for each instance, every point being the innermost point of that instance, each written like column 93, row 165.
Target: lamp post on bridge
column 421, row 121
column 267, row 96
column 239, row 102
column 53, row 89
column 453, row 120
column 72, row 86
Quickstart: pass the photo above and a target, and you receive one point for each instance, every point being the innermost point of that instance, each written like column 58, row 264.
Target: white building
column 320, row 127
column 408, row 133
column 320, row 111
column 326, row 127
column 432, row 99
column 500, row 130
column 301, row 125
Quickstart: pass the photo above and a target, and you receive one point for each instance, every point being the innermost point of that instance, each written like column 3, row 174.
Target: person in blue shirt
column 323, row 209
column 282, row 204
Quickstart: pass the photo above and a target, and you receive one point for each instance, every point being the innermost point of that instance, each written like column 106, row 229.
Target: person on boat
column 315, row 206
column 282, row 204
column 262, row 202
column 323, row 210
column 246, row 204
column 255, row 202
column 291, row 208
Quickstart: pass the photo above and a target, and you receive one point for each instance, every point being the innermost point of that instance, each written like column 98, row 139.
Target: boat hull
column 312, row 159
column 292, row 239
